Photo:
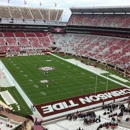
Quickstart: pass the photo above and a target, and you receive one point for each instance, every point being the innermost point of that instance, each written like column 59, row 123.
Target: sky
column 65, row 4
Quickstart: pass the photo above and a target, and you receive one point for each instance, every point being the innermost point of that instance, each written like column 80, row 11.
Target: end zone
column 62, row 107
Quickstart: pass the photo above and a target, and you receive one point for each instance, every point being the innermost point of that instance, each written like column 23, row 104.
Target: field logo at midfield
column 46, row 68
column 44, row 81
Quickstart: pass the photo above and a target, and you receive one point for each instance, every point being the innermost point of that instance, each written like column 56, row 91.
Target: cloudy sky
column 65, row 4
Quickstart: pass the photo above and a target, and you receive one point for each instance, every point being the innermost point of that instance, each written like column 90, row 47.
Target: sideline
column 4, row 105
column 12, row 81
column 7, row 81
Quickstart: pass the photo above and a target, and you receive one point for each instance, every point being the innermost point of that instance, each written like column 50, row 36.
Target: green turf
column 70, row 80
column 24, row 109
column 90, row 62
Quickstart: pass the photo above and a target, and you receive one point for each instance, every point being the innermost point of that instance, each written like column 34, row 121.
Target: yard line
column 20, row 102
column 55, row 95
column 60, row 86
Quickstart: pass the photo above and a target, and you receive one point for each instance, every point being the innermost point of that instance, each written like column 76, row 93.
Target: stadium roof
column 107, row 9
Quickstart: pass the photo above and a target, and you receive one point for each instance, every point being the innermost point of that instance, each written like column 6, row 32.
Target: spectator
column 113, row 119
column 79, row 128
column 69, row 117
column 118, row 119
column 127, row 119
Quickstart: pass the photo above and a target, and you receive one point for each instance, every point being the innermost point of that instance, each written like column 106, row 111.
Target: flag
column 55, row 4
column 25, row 2
column 8, row 1
column 40, row 3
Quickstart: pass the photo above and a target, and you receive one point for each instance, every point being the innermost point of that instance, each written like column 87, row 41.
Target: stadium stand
column 2, row 41
column 10, row 41
column 36, row 14
column 107, row 49
column 4, row 12
column 101, row 20
column 30, row 34
column 45, row 14
column 100, row 17
column 23, row 42
column 34, row 42
column 53, row 14
column 26, row 13
column 96, row 47
column 38, row 34
column 60, row 12
column 99, row 46
column 99, row 119
column 8, row 34
column 19, row 34
column 15, row 14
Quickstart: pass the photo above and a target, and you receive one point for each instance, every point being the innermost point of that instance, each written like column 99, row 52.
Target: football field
column 47, row 78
